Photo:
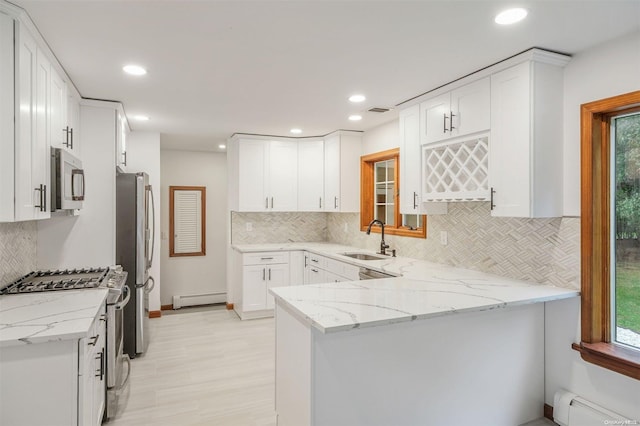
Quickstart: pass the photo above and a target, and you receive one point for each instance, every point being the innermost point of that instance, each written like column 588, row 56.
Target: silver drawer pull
column 266, row 258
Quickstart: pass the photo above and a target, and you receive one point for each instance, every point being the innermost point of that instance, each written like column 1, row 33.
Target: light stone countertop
column 424, row 290
column 48, row 316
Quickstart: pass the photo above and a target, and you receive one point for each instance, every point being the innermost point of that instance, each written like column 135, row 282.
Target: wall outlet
column 163, row 235
column 249, row 226
column 444, row 238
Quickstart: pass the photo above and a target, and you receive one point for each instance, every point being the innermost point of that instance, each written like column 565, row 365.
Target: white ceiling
column 220, row 67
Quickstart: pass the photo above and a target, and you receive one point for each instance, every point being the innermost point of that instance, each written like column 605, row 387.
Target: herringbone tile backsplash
column 278, row 227
column 540, row 250
column 17, row 250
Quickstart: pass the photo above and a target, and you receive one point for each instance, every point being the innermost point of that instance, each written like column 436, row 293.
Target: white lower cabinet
column 319, row 269
column 260, row 272
column 65, row 377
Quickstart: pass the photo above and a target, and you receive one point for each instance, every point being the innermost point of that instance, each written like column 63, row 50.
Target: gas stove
column 64, row 279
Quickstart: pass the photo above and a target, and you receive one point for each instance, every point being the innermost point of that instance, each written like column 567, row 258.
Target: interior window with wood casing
column 610, row 221
column 380, row 196
column 187, row 220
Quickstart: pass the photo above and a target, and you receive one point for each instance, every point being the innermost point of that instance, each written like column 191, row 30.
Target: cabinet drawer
column 343, row 269
column 265, row 258
column 316, row 260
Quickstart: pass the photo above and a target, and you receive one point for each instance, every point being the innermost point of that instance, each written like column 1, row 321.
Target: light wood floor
column 203, row 367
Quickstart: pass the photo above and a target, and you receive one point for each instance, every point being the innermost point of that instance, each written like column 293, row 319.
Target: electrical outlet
column 163, row 235
column 249, row 226
column 444, row 238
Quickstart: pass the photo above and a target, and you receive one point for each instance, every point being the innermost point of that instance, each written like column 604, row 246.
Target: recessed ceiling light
column 222, row 146
column 511, row 16
column 355, row 117
column 296, row 131
column 134, row 70
column 357, row 98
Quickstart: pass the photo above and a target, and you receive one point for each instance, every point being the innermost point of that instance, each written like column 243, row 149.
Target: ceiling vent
column 377, row 109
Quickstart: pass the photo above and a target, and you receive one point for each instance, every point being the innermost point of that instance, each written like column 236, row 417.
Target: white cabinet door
column 277, row 276
column 252, row 175
column 99, row 376
column 7, row 121
column 254, row 287
column 73, row 122
column 410, row 154
column 470, row 106
column 332, row 174
column 32, row 199
column 315, row 275
column 122, row 132
column 58, row 128
column 435, row 117
column 283, row 176
column 509, row 154
column 310, row 176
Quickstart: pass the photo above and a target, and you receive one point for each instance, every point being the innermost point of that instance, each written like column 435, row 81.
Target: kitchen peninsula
column 438, row 345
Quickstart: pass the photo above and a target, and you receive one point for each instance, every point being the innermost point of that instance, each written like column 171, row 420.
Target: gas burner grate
column 63, row 279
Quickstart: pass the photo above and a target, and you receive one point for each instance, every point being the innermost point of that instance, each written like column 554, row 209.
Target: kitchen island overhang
column 437, row 350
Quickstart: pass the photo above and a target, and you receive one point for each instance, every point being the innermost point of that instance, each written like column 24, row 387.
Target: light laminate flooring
column 204, row 366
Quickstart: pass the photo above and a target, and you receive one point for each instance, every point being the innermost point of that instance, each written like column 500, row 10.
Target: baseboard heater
column 198, row 299
column 571, row 410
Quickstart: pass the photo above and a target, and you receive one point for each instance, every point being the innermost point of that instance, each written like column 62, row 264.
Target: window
column 187, row 220
column 380, row 199
column 610, row 162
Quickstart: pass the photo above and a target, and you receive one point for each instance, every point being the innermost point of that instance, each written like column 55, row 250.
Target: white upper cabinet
column 6, row 118
column 461, row 112
column 59, row 128
column 310, row 175
column 342, row 152
column 122, row 134
column 265, row 174
column 526, row 139
column 410, row 153
column 72, row 130
column 32, row 138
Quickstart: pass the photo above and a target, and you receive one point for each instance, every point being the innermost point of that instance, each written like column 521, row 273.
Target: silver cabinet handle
column 271, row 202
column 415, row 197
column 124, row 161
column 314, row 260
column 451, row 121
column 42, row 189
column 444, row 123
column 493, row 191
column 264, row 271
column 266, row 258
column 93, row 340
column 266, row 202
column 320, row 206
column 314, row 270
column 269, row 274
column 335, row 202
column 71, row 133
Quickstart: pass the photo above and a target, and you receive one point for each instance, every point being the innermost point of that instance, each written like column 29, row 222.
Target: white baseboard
column 182, row 301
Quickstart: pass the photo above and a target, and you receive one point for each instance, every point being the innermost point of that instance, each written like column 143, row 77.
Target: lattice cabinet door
column 457, row 171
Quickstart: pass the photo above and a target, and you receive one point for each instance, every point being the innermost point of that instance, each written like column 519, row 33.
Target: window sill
column 611, row 356
column 405, row 232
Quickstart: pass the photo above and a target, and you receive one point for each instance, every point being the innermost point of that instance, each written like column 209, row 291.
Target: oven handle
column 127, row 296
column 126, row 378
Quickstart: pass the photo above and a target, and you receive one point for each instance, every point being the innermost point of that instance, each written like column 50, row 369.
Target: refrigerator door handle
column 153, row 227
column 148, row 289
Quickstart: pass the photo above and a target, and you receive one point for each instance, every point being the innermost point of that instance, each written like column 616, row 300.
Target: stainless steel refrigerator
column 134, row 251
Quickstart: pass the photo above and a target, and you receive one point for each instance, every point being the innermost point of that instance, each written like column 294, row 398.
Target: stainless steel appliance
column 114, row 279
column 371, row 274
column 67, row 181
column 134, row 251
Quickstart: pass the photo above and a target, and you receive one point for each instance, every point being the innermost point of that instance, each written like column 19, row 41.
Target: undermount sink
column 364, row 256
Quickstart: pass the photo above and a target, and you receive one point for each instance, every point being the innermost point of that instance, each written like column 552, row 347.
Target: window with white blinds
column 187, row 220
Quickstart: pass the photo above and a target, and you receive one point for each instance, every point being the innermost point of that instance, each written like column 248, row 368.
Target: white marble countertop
column 48, row 316
column 424, row 290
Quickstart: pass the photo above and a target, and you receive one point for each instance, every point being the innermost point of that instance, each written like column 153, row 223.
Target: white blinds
column 187, row 213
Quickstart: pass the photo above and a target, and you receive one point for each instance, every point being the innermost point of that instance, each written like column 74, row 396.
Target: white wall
column 87, row 240
column 386, row 136
column 143, row 155
column 191, row 275
column 607, row 70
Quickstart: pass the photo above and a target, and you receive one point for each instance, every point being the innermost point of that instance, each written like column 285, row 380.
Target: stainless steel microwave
column 67, row 181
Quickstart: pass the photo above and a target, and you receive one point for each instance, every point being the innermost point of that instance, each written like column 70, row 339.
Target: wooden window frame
column 367, row 201
column 596, row 346
column 203, row 195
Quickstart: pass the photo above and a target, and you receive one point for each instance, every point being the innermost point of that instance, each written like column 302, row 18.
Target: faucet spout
column 383, row 245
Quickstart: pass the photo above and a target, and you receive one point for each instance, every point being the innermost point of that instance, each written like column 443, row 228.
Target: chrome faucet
column 383, row 245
